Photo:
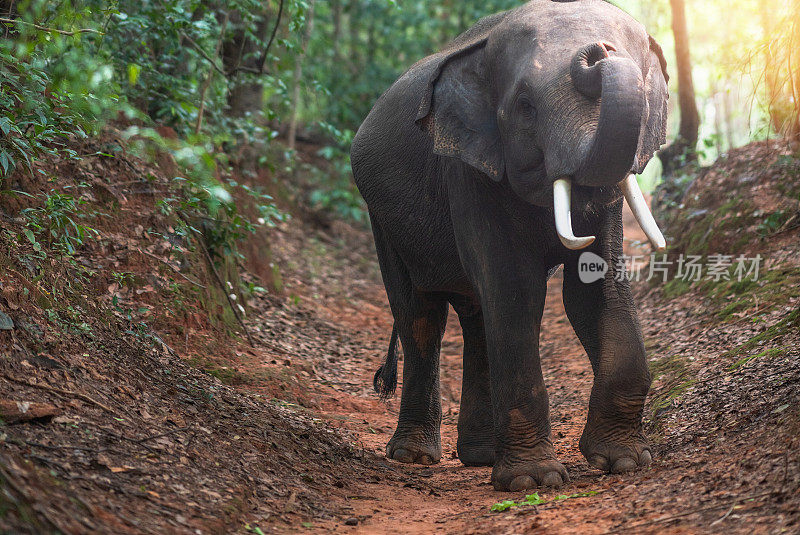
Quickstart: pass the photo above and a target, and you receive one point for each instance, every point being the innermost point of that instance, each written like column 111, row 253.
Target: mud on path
column 725, row 439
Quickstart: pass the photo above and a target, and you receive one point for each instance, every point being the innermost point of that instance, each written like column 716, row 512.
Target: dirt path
column 701, row 481
column 155, row 421
column 449, row 497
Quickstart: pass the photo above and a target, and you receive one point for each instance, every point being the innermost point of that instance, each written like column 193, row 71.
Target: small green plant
column 535, row 499
column 773, row 222
column 123, row 278
column 769, row 353
column 56, row 223
column 253, row 529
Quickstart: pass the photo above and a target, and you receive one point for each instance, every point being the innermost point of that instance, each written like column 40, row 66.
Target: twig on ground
column 173, row 268
column 59, row 447
column 23, row 443
column 723, row 517
column 51, row 462
column 161, row 435
column 70, row 393
column 126, row 183
column 275, row 347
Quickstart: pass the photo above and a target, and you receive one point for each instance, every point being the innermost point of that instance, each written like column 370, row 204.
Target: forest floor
column 183, row 432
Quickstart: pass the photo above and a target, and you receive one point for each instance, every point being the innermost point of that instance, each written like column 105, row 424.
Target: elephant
column 475, row 166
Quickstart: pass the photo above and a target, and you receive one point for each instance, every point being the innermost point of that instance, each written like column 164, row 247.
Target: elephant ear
column 456, row 108
column 654, row 120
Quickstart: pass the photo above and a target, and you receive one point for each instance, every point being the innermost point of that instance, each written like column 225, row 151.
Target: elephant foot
column 415, row 447
column 533, row 469
column 475, row 454
column 615, row 452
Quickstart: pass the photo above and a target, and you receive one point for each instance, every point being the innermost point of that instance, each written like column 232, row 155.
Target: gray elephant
column 476, row 165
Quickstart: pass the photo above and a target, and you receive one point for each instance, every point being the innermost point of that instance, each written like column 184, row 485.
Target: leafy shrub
column 57, row 223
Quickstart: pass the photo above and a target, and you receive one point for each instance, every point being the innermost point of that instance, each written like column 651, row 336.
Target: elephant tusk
column 562, row 191
column 630, row 188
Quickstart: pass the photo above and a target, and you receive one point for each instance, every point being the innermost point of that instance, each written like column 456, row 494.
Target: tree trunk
column 336, row 6
column 771, row 85
column 727, row 107
column 718, row 115
column 682, row 152
column 245, row 94
column 682, row 149
column 298, row 76
column 794, row 67
column 354, row 48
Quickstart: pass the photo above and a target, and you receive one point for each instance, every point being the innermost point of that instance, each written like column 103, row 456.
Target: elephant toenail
column 521, row 483
column 645, row 458
column 552, row 479
column 598, row 461
column 404, row 456
column 425, row 459
column 624, row 464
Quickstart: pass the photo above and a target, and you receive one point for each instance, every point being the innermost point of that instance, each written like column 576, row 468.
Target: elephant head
column 557, row 98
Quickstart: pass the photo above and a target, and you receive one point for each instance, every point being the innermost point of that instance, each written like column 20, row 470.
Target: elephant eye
column 526, row 108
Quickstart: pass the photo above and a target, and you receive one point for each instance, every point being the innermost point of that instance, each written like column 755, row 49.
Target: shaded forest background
column 228, row 93
column 261, row 73
column 224, row 91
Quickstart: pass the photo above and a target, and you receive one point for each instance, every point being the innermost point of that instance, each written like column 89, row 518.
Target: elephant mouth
column 562, row 208
column 594, row 197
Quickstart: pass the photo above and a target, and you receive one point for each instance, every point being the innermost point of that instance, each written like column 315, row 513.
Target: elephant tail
column 385, row 380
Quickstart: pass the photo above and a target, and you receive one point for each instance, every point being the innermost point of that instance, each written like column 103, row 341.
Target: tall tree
column 298, row 75
column 682, row 150
column 241, row 59
column 794, row 70
column 781, row 70
column 681, row 153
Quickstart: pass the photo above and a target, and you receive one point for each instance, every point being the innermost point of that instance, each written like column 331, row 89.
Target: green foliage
column 253, row 529
column 51, row 86
column 535, row 499
column 155, row 48
column 769, row 353
column 774, row 288
column 335, row 191
column 773, row 222
column 205, row 204
column 355, row 55
column 57, row 223
column 786, row 325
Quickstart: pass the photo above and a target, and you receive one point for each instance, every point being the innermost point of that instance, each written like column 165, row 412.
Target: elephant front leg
column 603, row 315
column 524, row 454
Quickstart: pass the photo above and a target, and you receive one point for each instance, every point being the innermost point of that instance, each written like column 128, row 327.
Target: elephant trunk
column 617, row 82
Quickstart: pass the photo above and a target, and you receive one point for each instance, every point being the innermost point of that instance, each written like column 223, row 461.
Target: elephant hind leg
column 476, row 444
column 420, row 320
